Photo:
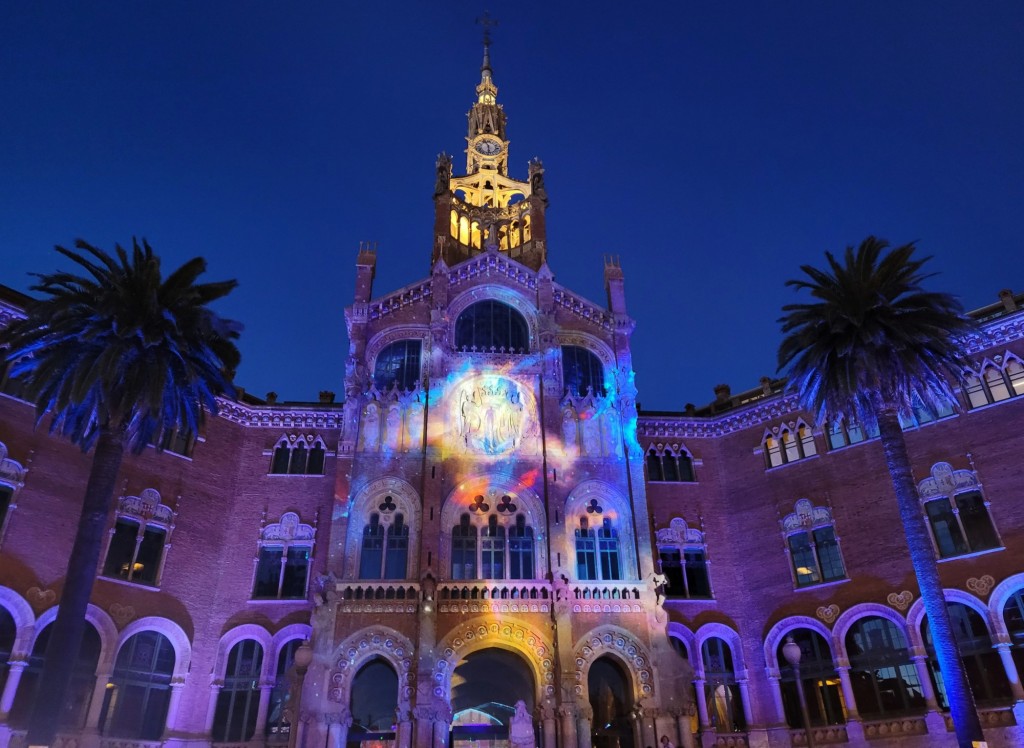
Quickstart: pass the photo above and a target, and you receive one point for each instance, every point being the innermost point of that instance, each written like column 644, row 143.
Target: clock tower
column 486, row 208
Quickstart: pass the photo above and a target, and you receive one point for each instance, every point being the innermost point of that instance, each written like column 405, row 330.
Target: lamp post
column 302, row 659
column 792, row 652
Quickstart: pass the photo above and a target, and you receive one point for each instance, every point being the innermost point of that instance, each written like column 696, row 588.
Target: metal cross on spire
column 488, row 23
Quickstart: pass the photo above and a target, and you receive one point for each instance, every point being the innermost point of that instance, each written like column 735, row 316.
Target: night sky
column 715, row 147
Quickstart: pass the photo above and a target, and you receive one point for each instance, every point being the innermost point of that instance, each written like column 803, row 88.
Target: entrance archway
column 374, row 704
column 610, row 700
column 486, row 685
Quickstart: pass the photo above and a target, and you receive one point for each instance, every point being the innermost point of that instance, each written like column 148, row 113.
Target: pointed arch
column 386, row 497
column 374, row 642
column 596, row 501
column 622, row 646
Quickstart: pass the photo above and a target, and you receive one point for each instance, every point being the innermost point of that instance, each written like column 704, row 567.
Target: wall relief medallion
column 981, row 586
column 828, row 614
column 900, row 600
column 490, row 414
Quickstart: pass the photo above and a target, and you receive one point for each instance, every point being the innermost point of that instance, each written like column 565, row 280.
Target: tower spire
column 487, row 23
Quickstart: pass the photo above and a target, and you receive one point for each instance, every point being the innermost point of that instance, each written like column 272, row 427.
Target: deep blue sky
column 715, row 147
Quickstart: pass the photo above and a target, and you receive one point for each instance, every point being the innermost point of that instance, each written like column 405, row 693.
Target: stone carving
column 945, row 480
column 40, row 599
column 122, row 614
column 591, row 429
column 981, row 586
column 392, row 428
column 569, row 443
column 146, row 506
column 806, row 515
column 521, row 727
column 489, row 414
column 900, row 600
column 828, row 614
column 371, row 427
column 444, row 174
column 678, row 533
column 288, row 529
column 629, row 648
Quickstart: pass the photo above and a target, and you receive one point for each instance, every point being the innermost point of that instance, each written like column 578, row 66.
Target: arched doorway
column 486, row 685
column 610, row 700
column 374, row 704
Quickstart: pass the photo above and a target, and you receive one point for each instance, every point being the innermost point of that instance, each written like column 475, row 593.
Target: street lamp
column 302, row 658
column 792, row 652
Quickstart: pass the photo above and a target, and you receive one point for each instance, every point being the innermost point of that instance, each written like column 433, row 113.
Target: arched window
column 821, row 682
column 374, row 702
column 883, row 676
column 787, row 444
column 671, row 464
column 282, row 569
column 464, row 549
column 682, row 556
column 582, row 371
column 83, row 680
column 492, row 550
column 812, row 544
column 303, row 455
column 1013, row 617
column 398, row 364
column 520, row 551
column 957, row 512
column 138, row 540
column 846, row 431
column 995, row 383
column 278, row 727
column 237, row 703
column 139, row 693
column 984, row 669
column 722, row 692
column 491, row 325
column 597, row 553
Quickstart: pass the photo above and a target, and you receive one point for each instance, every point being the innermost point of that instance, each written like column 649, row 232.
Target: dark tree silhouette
column 871, row 344
column 114, row 357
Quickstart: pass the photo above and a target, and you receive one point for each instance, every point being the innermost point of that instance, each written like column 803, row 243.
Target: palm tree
column 116, row 357
column 871, row 345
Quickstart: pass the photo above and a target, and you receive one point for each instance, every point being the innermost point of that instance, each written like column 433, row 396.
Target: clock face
column 488, row 147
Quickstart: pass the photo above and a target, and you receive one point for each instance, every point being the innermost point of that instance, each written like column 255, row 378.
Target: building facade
column 487, row 518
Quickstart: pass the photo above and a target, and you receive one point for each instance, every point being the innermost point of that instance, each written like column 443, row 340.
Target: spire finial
column 488, row 23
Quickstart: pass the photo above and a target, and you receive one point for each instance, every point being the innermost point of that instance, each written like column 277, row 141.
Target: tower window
column 398, row 364
column 582, row 371
column 492, row 326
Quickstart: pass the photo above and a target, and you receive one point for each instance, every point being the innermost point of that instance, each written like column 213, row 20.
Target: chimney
column 326, row 397
column 766, row 385
column 366, row 267
column 1006, row 296
column 271, row 398
column 722, row 393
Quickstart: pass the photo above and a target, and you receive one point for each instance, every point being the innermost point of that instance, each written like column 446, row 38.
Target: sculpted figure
column 521, row 727
column 569, row 432
column 371, row 427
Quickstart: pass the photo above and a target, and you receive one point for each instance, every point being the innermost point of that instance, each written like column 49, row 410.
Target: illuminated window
column 141, row 531
column 282, row 569
column 671, row 464
column 302, row 455
column 83, row 680
column 812, row 544
column 597, row 552
column 957, row 512
column 278, row 727
column 398, row 365
column 582, row 372
column 136, row 700
column 882, row 672
column 995, row 383
column 385, row 548
column 821, row 682
column 237, row 703
column 495, row 543
column 682, row 554
column 722, row 691
column 787, row 444
column 982, row 665
column 491, row 326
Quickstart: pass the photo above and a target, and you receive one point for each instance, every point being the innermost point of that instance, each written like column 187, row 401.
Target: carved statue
column 393, row 429
column 537, row 181
column 591, row 428
column 521, row 727
column 371, row 427
column 569, row 432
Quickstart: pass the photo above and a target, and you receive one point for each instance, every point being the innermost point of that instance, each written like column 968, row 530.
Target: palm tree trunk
column 922, row 556
column 69, row 627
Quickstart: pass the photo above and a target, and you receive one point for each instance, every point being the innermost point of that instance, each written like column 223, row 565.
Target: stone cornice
column 998, row 332
column 271, row 417
column 686, row 427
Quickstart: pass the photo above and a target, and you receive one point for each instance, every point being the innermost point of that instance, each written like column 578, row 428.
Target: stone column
column 1006, row 655
column 99, row 691
column 174, row 703
column 403, row 735
column 775, row 683
column 266, row 689
column 567, row 713
column 550, row 728
column 583, row 727
column 423, row 734
column 748, row 710
column 685, row 725
column 211, row 710
column 442, row 730
column 337, row 729
column 847, row 686
column 921, row 665
column 15, row 669
column 645, row 724
column 702, row 704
